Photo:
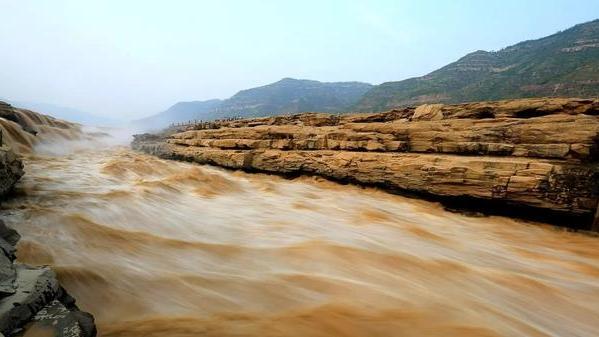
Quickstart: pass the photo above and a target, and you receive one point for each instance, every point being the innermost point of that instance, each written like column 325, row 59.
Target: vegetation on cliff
column 565, row 64
column 291, row 96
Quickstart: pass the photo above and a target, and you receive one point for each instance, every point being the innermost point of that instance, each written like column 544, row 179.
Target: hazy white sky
column 132, row 58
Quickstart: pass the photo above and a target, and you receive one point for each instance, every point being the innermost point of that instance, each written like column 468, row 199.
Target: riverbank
column 32, row 301
column 530, row 158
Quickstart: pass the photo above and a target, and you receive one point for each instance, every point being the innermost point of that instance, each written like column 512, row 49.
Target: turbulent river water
column 163, row 248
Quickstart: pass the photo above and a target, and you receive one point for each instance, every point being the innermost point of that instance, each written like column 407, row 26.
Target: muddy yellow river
column 163, row 248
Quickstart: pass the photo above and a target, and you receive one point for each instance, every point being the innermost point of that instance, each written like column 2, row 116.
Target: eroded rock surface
column 56, row 319
column 32, row 303
column 537, row 153
column 11, row 169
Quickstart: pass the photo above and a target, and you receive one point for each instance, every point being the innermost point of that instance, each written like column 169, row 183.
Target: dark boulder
column 11, row 170
column 8, row 275
column 8, row 234
column 35, row 288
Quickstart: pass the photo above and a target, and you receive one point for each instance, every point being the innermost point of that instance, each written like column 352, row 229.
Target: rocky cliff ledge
column 529, row 157
column 11, row 167
column 32, row 302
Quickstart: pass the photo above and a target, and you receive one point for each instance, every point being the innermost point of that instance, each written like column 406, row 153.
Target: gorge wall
column 530, row 157
column 32, row 302
column 11, row 167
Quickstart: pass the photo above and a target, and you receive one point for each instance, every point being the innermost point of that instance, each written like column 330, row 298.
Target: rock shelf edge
column 528, row 158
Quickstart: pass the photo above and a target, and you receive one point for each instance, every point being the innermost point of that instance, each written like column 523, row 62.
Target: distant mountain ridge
column 285, row 96
column 291, row 95
column 180, row 112
column 562, row 64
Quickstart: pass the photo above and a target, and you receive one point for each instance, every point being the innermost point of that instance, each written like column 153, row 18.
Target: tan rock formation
column 540, row 153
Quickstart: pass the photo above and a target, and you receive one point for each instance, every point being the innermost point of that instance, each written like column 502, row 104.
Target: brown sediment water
column 164, row 248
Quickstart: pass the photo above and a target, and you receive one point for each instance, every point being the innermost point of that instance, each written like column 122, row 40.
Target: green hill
column 291, row 95
column 285, row 96
column 562, row 64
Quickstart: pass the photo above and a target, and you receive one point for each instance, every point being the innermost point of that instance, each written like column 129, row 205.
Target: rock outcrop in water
column 527, row 157
column 11, row 169
column 31, row 299
column 32, row 302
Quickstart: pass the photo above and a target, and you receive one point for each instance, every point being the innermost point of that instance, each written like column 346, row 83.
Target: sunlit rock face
column 536, row 153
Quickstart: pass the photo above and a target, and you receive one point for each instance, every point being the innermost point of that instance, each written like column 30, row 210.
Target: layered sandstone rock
column 537, row 153
column 22, row 129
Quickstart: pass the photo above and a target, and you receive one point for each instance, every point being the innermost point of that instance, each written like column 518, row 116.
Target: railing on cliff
column 203, row 125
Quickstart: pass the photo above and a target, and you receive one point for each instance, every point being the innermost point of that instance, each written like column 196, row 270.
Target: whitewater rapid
column 163, row 248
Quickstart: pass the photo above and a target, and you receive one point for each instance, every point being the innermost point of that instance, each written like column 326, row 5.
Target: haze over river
column 164, row 248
